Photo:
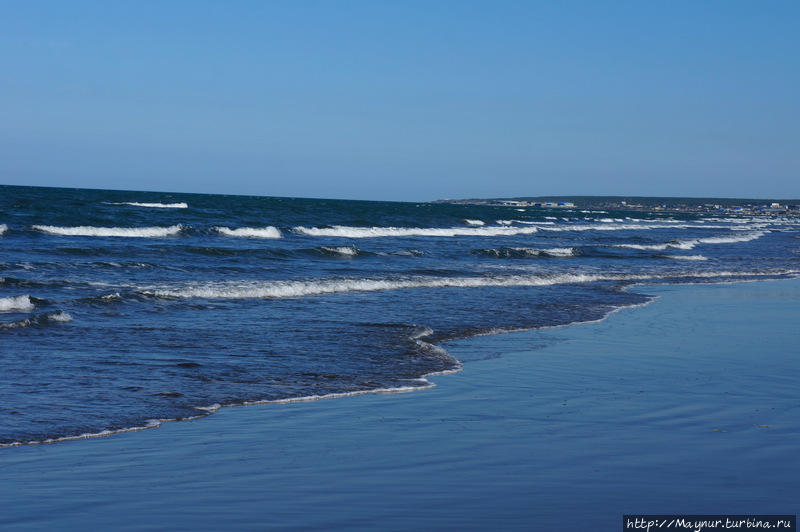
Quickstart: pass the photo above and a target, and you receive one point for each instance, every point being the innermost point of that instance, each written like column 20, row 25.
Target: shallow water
column 119, row 309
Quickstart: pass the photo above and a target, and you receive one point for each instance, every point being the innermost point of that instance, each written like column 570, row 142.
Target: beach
column 686, row 405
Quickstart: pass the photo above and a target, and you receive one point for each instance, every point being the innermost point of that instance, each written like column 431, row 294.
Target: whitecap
column 375, row 232
column 312, row 287
column 16, row 303
column 347, row 251
column 251, row 232
column 691, row 244
column 133, row 232
column 686, row 257
column 180, row 205
column 59, row 316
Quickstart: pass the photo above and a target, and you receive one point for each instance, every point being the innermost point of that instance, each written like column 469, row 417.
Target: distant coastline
column 644, row 203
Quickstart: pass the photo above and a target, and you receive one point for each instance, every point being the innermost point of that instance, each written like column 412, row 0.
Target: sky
column 403, row 100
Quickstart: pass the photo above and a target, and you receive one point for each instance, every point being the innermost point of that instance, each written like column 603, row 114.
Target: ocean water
column 120, row 310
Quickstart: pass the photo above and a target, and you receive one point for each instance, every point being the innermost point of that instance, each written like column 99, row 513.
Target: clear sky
column 403, row 100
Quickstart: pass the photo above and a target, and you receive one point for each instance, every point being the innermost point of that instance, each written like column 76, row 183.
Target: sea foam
column 16, row 303
column 519, row 252
column 686, row 257
column 375, row 232
column 134, row 232
column 3, row 228
column 251, row 232
column 312, row 287
column 691, row 244
column 58, row 316
column 152, row 205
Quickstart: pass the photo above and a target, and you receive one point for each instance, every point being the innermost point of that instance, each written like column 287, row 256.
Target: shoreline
column 538, row 424
column 210, row 410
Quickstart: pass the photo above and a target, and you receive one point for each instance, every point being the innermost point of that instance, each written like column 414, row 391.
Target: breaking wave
column 690, row 244
column 152, row 205
column 301, row 288
column 474, row 222
column 3, row 228
column 251, row 232
column 629, row 227
column 16, row 303
column 512, row 253
column 375, row 232
column 133, row 232
column 340, row 251
column 686, row 257
column 49, row 318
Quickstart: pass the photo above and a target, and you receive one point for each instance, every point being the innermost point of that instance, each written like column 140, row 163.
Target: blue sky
column 403, row 100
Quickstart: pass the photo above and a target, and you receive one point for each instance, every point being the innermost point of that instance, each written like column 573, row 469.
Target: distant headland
column 640, row 203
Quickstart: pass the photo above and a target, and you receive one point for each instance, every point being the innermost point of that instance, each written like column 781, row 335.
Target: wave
column 376, row 232
column 152, row 205
column 3, row 228
column 251, row 232
column 510, row 253
column 301, row 288
column 629, row 227
column 133, row 232
column 16, row 303
column 685, row 257
column 49, row 318
column 339, row 251
column 690, row 244
column 474, row 222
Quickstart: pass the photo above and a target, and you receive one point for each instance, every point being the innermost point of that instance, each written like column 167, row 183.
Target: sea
column 120, row 310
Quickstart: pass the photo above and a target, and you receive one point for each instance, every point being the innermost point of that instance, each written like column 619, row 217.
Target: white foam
column 301, row 288
column 16, row 303
column 533, row 252
column 690, row 244
column 180, row 205
column 3, row 228
column 560, row 252
column 133, row 232
column 474, row 222
column 251, row 232
column 150, row 424
column 376, row 232
column 348, row 251
column 686, row 257
column 59, row 316
column 627, row 227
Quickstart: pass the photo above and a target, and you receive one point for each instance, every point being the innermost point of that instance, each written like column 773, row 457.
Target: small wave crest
column 312, row 287
column 48, row 318
column 512, row 253
column 376, row 232
column 686, row 257
column 251, row 232
column 180, row 205
column 3, row 228
column 474, row 222
column 16, row 303
column 339, row 251
column 691, row 244
column 132, row 232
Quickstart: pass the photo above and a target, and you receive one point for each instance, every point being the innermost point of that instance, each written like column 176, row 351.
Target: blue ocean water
column 119, row 310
